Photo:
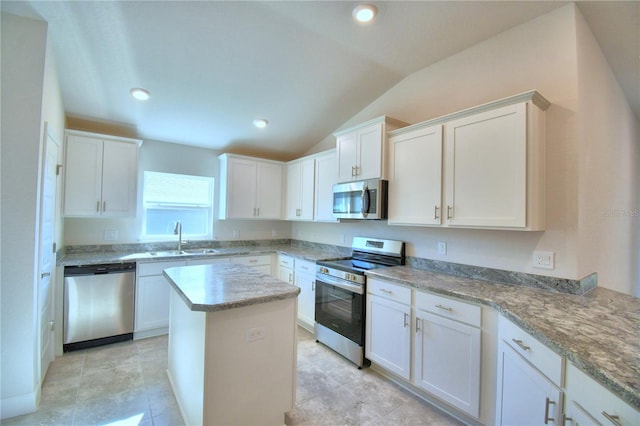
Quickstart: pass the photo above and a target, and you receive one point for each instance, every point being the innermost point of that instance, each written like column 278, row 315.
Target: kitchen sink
column 202, row 251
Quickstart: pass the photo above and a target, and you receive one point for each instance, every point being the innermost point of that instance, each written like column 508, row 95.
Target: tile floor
column 126, row 384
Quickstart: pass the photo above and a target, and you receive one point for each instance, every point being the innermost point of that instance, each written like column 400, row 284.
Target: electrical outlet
column 442, row 247
column 256, row 333
column 236, row 233
column 274, row 232
column 543, row 259
column 110, row 235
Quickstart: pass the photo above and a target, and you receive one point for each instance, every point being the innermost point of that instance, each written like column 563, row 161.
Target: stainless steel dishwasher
column 98, row 304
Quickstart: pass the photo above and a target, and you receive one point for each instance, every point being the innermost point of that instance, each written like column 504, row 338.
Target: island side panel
column 250, row 370
column 187, row 358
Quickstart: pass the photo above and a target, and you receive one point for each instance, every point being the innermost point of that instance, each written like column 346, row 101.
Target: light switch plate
column 442, row 247
column 110, row 235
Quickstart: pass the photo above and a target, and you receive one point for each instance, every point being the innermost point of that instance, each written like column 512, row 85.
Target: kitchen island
column 232, row 344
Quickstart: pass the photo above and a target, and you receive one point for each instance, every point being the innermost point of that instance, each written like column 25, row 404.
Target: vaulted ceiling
column 212, row 67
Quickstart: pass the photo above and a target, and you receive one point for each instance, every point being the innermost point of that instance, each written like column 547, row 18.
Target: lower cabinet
column 529, row 379
column 260, row 262
column 388, row 327
column 304, row 277
column 589, row 403
column 447, row 351
column 152, row 299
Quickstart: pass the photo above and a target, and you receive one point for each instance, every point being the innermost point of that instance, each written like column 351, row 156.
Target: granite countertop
column 599, row 331
column 100, row 257
column 210, row 288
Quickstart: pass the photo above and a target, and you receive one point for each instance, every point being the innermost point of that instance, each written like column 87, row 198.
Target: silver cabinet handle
column 565, row 419
column 548, row 402
column 97, row 206
column 290, row 277
column 104, row 206
column 406, row 320
column 384, row 290
column 45, row 274
column 521, row 344
column 258, row 210
column 353, row 170
column 435, row 211
column 445, row 308
column 417, row 324
column 449, row 212
column 612, row 418
column 313, row 286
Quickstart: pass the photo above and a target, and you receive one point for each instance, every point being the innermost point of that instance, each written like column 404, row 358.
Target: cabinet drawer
column 596, row 400
column 285, row 261
column 449, row 308
column 305, row 266
column 155, row 268
column 389, row 291
column 538, row 354
column 263, row 259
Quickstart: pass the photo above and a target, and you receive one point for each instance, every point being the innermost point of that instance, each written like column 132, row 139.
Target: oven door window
column 340, row 310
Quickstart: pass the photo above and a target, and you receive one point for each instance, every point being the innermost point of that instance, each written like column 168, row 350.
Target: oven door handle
column 353, row 288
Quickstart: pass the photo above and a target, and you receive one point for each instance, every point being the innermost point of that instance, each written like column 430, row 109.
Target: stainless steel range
column 341, row 294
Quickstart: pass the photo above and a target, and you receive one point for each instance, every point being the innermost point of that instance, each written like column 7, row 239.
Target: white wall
column 608, row 170
column 171, row 158
column 539, row 54
column 30, row 96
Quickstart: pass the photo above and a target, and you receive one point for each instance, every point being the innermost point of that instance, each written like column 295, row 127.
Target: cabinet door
column 241, row 189
column 286, row 274
column 152, row 303
column 369, row 152
column 575, row 415
column 293, row 190
column 486, row 168
column 269, row 190
column 306, row 299
column 119, row 178
column 415, row 177
column 83, row 176
column 326, row 175
column 447, row 361
column 388, row 335
column 525, row 396
column 347, row 156
column 307, row 181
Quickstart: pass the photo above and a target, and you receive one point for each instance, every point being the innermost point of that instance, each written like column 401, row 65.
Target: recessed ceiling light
column 364, row 12
column 260, row 123
column 140, row 94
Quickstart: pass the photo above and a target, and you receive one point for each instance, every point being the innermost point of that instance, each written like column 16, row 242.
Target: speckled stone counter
column 599, row 331
column 217, row 287
column 100, row 257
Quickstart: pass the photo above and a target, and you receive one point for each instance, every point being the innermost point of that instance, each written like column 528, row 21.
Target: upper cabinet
column 300, row 189
column 101, row 175
column 326, row 176
column 250, row 188
column 361, row 149
column 478, row 168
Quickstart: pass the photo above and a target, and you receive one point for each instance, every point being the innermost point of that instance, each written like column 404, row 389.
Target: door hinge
column 58, row 167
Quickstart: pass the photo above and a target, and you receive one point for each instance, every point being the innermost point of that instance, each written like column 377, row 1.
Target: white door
column 241, row 195
column 326, row 176
column 307, row 178
column 369, row 151
column 269, row 190
column 83, row 176
column 119, row 179
column 46, row 250
column 347, row 156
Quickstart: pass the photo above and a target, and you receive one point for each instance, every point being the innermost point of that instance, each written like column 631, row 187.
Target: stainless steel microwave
column 365, row 199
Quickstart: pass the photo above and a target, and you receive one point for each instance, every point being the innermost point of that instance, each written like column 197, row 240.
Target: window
column 169, row 197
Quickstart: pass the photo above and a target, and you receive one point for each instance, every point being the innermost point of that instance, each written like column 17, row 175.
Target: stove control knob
column 323, row 270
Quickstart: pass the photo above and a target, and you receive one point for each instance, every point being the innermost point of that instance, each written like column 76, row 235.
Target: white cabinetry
column 152, row 299
column 388, row 327
column 447, row 350
column 361, row 149
column 489, row 174
column 305, row 278
column 589, row 403
column 326, row 176
column 260, row 262
column 415, row 177
column 250, row 188
column 285, row 269
column 529, row 379
column 101, row 175
column 300, row 191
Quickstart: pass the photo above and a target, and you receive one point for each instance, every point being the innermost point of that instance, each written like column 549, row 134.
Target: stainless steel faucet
column 178, row 231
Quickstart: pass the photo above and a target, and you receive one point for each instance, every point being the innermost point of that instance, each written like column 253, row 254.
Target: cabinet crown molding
column 532, row 95
column 382, row 119
column 103, row 136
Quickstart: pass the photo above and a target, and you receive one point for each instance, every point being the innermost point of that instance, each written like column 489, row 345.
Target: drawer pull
column 417, row 324
column 445, row 308
column 546, row 411
column 566, row 419
column 384, row 290
column 612, row 418
column 253, row 260
column 522, row 345
column 435, row 212
column 406, row 320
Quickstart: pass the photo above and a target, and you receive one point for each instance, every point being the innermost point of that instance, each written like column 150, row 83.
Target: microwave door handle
column 365, row 201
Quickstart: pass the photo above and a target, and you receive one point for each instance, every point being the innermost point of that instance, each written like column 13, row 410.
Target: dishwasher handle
column 110, row 268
